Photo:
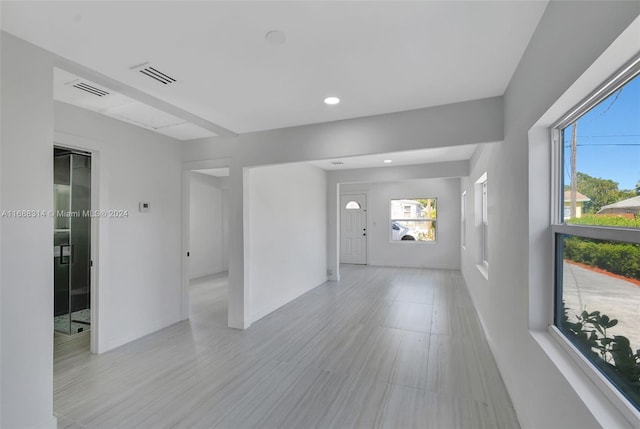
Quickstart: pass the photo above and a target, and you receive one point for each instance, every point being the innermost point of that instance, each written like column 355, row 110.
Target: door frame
column 98, row 228
column 340, row 209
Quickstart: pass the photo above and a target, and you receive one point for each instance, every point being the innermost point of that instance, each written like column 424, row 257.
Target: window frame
column 481, row 223
column 559, row 228
column 392, row 220
column 463, row 220
column 484, row 188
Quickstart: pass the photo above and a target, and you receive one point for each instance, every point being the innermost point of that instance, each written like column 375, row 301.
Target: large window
column 413, row 219
column 597, row 231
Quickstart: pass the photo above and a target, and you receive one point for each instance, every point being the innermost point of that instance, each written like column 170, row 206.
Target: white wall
column 26, row 285
column 449, row 169
column 225, row 223
column 208, row 225
column 1, row 228
column 443, row 253
column 138, row 278
column 471, row 253
column 139, row 289
column 287, row 220
column 514, row 304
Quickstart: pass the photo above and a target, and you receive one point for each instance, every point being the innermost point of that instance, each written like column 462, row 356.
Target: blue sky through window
column 608, row 139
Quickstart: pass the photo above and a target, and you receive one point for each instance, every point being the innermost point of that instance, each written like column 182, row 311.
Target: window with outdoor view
column 597, row 231
column 413, row 219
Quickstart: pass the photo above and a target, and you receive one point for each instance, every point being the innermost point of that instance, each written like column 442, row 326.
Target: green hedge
column 617, row 258
column 606, row 220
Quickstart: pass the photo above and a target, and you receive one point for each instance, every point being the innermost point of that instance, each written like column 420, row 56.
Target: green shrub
column 606, row 220
column 618, row 258
column 611, row 353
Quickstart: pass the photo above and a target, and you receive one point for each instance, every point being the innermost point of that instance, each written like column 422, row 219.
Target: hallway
column 384, row 347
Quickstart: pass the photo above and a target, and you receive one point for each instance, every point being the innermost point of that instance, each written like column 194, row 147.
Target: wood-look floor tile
column 416, row 293
column 65, row 423
column 398, row 357
column 409, row 316
column 384, row 347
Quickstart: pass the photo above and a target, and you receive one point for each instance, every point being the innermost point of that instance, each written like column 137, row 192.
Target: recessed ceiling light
column 387, row 161
column 275, row 37
column 331, row 100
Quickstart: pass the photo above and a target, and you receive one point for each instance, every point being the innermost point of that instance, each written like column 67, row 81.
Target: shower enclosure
column 71, row 240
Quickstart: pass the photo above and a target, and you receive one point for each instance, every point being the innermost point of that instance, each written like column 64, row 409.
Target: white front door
column 353, row 229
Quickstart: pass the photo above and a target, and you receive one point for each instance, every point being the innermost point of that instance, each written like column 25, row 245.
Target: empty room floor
column 384, row 347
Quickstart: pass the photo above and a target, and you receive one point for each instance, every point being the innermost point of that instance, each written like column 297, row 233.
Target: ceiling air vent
column 153, row 72
column 90, row 89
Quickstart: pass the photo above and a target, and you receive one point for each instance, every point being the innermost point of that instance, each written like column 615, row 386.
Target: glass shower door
column 72, row 241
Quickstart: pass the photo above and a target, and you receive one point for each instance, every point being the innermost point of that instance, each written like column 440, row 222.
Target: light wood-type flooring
column 384, row 347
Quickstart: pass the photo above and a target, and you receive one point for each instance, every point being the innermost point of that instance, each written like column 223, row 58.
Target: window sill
column 484, row 270
column 606, row 404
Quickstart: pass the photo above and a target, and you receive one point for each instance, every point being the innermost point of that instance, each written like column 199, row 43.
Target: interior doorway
column 208, row 224
column 206, row 236
column 72, row 263
column 353, row 229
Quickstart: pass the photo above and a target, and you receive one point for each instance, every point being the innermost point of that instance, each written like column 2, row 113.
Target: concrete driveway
column 619, row 299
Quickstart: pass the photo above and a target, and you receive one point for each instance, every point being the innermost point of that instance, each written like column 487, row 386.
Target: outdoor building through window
column 597, row 231
column 413, row 219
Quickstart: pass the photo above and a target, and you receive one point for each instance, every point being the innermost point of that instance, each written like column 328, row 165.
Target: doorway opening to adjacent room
column 206, row 206
column 72, row 249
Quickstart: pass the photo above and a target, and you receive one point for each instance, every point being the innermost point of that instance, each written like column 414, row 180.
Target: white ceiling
column 378, row 57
